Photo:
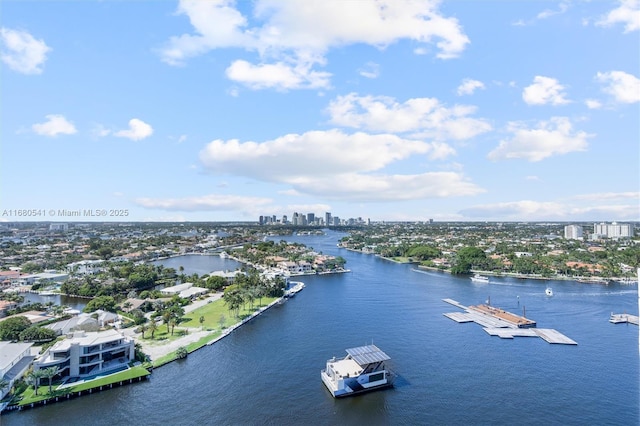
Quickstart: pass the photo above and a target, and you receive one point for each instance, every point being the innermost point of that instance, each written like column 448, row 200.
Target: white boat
column 293, row 288
column 362, row 370
column 548, row 291
column 224, row 255
column 477, row 278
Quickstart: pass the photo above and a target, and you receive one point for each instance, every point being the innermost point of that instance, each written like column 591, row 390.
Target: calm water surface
column 268, row 372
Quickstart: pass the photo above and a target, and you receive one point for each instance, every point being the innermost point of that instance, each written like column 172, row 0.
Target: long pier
column 497, row 322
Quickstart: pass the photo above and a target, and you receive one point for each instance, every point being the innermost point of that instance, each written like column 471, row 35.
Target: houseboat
column 477, row 278
column 362, row 370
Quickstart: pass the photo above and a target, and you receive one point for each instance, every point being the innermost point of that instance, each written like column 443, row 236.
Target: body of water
column 268, row 371
column 199, row 264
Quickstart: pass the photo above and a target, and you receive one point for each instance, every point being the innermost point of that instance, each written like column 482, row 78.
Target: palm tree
column 34, row 378
column 201, row 321
column 172, row 323
column 166, row 317
column 153, row 326
column 49, row 373
column 143, row 328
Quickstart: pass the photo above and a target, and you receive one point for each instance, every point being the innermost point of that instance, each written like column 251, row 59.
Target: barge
column 362, row 370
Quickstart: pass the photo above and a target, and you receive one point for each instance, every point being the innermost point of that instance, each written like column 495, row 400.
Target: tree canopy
column 11, row 328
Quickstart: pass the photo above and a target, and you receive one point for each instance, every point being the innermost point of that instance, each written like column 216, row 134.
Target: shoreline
column 580, row 280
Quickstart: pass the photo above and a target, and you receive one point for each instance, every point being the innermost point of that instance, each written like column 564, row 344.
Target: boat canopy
column 368, row 354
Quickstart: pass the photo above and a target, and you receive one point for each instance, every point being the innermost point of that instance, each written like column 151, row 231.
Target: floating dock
column 623, row 318
column 505, row 325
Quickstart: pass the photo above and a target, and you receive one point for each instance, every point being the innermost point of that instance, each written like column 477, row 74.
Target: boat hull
column 351, row 386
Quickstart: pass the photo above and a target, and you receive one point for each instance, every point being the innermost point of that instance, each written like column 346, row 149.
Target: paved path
column 159, row 348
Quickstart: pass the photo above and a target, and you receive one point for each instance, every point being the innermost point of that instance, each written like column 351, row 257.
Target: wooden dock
column 623, row 318
column 497, row 322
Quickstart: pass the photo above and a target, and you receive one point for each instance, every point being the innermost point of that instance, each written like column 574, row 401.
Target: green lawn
column 214, row 310
column 28, row 396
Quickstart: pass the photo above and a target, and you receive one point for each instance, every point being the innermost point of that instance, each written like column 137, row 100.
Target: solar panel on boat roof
column 367, row 354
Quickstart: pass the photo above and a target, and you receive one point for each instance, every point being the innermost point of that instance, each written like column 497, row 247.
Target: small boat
column 362, row 370
column 548, row 291
column 224, row 255
column 477, row 278
column 292, row 288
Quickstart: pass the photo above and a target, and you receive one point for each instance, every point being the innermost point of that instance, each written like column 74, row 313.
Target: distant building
column 58, row 227
column 613, row 230
column 573, row 232
column 85, row 267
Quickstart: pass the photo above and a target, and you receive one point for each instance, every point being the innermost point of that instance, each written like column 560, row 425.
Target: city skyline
column 389, row 111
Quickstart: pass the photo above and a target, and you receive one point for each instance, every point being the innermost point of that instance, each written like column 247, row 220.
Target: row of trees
column 251, row 287
column 20, row 328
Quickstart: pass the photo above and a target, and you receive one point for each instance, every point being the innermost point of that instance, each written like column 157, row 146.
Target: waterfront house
column 15, row 359
column 92, row 321
column 185, row 290
column 229, row 276
column 88, row 353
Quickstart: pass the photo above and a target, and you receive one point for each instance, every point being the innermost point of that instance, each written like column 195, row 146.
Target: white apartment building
column 613, row 230
column 573, row 232
column 88, row 353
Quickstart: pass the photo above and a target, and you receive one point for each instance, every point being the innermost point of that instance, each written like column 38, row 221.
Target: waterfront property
column 15, row 358
column 185, row 290
column 497, row 322
column 362, row 370
column 88, row 353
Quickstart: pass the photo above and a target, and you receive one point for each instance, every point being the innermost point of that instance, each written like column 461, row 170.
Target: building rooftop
column 88, row 339
column 9, row 352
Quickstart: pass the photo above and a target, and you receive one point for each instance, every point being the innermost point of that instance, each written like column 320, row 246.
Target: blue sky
column 385, row 110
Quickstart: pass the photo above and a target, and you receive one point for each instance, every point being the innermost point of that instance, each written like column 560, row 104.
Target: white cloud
column 370, row 70
column 623, row 87
column 22, row 52
column 517, row 210
column 547, row 13
column 315, row 153
column 529, row 210
column 423, row 115
column 100, row 131
column 468, row 86
column 544, row 90
column 337, row 165
column 553, row 137
column 278, row 75
column 600, row 196
column 55, row 125
column 203, row 203
column 627, row 13
column 291, row 37
column 137, row 130
column 593, row 104
column 389, row 188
